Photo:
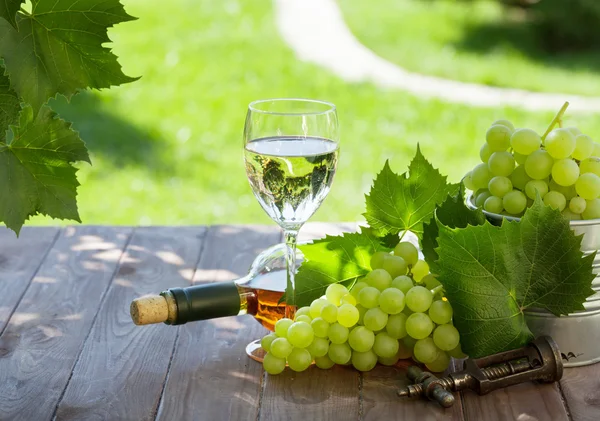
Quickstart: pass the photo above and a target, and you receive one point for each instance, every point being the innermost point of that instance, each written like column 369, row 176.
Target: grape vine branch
column 49, row 48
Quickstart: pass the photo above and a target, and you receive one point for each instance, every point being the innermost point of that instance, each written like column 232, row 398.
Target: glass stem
column 291, row 237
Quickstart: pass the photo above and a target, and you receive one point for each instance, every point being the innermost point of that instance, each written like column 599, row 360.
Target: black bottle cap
column 207, row 301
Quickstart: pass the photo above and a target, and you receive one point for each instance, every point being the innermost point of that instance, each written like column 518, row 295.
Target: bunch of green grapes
column 518, row 164
column 396, row 311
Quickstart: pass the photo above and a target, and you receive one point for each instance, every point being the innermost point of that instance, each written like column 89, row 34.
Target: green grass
column 472, row 41
column 167, row 149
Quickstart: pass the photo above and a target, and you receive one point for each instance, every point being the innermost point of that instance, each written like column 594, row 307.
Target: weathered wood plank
column 121, row 372
column 381, row 402
column 45, row 334
column 314, row 394
column 211, row 378
column 581, row 388
column 20, row 258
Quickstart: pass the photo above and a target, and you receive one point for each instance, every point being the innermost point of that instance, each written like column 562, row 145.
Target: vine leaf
column 9, row 9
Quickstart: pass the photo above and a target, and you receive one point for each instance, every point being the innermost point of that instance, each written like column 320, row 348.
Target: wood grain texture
column 211, row 378
column 381, row 402
column 122, row 369
column 45, row 334
column 581, row 388
column 20, row 258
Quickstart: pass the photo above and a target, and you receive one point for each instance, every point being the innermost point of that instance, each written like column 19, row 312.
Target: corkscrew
column 540, row 360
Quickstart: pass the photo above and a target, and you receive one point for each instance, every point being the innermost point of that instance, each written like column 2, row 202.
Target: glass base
column 255, row 351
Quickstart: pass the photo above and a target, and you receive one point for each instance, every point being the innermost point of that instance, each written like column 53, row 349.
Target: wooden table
column 69, row 351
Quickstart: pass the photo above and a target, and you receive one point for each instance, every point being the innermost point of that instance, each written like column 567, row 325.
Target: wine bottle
column 259, row 294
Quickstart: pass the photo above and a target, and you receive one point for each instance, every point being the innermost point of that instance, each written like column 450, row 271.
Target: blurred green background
column 167, row 149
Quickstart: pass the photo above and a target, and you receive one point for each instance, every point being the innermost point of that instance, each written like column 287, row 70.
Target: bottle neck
column 208, row 301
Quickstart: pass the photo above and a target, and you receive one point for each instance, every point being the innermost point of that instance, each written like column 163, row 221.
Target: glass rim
column 331, row 107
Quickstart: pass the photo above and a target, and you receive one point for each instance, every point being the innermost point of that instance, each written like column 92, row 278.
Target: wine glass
column 291, row 152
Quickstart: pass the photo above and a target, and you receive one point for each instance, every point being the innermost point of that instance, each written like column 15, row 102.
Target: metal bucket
column 578, row 332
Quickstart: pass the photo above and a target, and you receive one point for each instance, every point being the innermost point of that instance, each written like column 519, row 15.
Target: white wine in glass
column 291, row 152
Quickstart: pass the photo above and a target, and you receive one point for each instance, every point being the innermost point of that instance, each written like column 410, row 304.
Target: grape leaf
column 491, row 274
column 58, row 48
column 453, row 213
column 334, row 259
column 36, row 171
column 9, row 107
column 9, row 9
column 404, row 202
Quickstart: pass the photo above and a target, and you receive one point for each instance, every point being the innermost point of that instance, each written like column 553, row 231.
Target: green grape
column 426, row 351
column 501, row 163
column 300, row 335
column 584, row 147
column 493, row 204
column 347, row 315
column 577, row 205
column 403, row 350
column 329, row 313
column 282, row 326
column 440, row 312
column 377, row 259
column 418, row 299
column 514, row 202
column 570, row 215
column 419, row 325
column 457, row 352
column 324, row 362
column 379, row 278
column 396, row 326
column 368, row 297
column 592, row 209
column 499, row 186
column 481, row 198
column 430, row 281
column 565, row 172
column 385, row 346
column 574, row 131
column 440, row 364
column 395, row 266
column 468, row 181
column 420, row 270
column 498, row 138
column 266, row 341
column 303, row 311
column 391, row 300
column 407, row 310
column 338, row 334
column 520, row 158
column 281, row 348
column 505, row 123
column 568, row 192
column 272, row 364
column 334, row 293
column 299, row 360
column 316, row 306
column 403, row 283
column 485, row 152
column 390, row 361
column 364, row 361
column 320, row 327
column 357, row 288
column 534, row 187
column 409, row 342
column 596, row 150
column 538, row 165
column 480, row 175
column 361, row 314
column 339, row 353
column 446, row 337
column 361, row 339
column 590, row 165
column 303, row 318
column 375, row 319
column 555, row 200
column 560, row 143
column 318, row 347
column 408, row 252
column 588, row 186
column 349, row 299
column 519, row 178
column 525, row 141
